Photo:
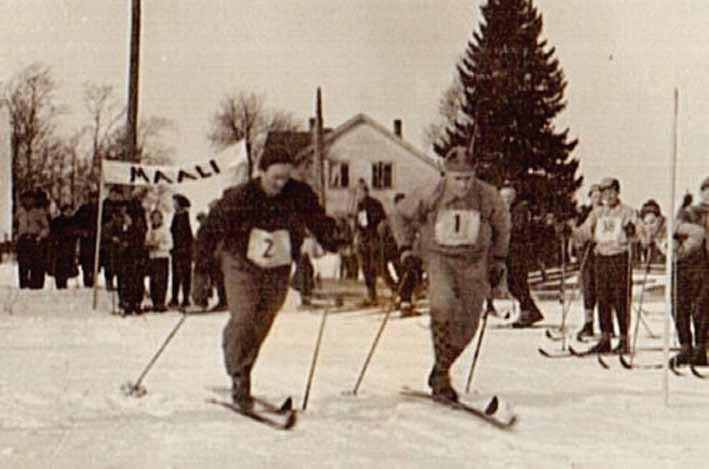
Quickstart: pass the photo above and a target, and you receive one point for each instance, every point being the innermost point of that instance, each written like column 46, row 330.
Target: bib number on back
column 457, row 227
column 269, row 249
column 362, row 218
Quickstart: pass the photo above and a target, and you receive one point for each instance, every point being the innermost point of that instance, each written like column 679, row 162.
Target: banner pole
column 99, row 217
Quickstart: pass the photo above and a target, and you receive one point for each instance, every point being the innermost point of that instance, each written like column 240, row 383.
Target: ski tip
column 492, row 406
column 291, row 420
column 676, row 372
column 287, row 405
column 624, row 363
column 602, row 362
column 696, row 372
column 543, row 352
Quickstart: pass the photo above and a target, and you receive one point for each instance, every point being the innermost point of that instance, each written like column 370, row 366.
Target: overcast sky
column 389, row 59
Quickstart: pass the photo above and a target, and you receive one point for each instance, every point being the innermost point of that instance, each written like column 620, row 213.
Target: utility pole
column 319, row 151
column 133, row 83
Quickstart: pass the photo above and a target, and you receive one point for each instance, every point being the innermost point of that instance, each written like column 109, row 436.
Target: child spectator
column 159, row 244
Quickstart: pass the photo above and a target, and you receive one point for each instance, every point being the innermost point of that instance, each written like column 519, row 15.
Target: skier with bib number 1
column 262, row 224
column 464, row 231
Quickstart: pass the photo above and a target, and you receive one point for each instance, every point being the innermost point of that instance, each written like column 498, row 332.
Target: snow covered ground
column 62, row 365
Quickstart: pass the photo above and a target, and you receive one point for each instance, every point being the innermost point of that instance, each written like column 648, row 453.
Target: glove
column 629, row 230
column 201, row 289
column 496, row 272
column 409, row 261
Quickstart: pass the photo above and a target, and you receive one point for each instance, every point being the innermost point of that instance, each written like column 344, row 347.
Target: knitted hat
column 182, row 201
column 459, row 160
column 651, row 206
column 609, row 183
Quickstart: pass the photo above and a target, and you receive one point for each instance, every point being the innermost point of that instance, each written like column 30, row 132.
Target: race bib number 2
column 269, row 249
column 457, row 227
column 608, row 230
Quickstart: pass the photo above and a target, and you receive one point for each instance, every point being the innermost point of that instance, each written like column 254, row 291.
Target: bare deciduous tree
column 245, row 116
column 30, row 98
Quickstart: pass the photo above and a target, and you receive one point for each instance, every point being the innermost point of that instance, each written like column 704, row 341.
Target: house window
column 339, row 175
column 382, row 175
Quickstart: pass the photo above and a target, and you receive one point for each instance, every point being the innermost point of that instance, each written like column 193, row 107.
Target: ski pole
column 316, row 352
column 567, row 306
column 477, row 352
column 640, row 310
column 379, row 334
column 137, row 389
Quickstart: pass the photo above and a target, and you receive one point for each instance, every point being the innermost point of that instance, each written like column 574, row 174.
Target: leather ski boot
column 440, row 384
column 241, row 391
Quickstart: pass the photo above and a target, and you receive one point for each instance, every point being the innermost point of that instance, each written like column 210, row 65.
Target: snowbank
column 63, row 364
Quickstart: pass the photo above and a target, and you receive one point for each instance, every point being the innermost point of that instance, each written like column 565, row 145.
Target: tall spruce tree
column 513, row 88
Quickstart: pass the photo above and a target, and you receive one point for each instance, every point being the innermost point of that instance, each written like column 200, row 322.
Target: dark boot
column 699, row 357
column 407, row 309
column 586, row 331
column 241, row 391
column 603, row 345
column 527, row 318
column 440, row 383
column 684, row 357
column 623, row 346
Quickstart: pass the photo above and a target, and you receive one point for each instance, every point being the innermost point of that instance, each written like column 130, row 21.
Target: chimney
column 311, row 124
column 397, row 127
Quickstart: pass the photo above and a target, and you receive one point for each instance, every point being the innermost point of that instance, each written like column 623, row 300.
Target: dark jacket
column 85, row 226
column 370, row 213
column 62, row 247
column 181, row 229
column 246, row 207
column 521, row 233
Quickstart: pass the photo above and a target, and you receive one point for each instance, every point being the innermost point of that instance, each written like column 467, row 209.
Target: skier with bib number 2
column 464, row 231
column 262, row 224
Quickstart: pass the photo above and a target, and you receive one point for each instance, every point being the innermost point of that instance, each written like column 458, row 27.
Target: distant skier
column 369, row 214
column 462, row 223
column 518, row 257
column 611, row 228
column 585, row 252
column 699, row 214
column 688, row 288
column 262, row 224
column 182, row 247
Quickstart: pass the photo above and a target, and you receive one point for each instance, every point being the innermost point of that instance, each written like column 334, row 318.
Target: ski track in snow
column 63, row 365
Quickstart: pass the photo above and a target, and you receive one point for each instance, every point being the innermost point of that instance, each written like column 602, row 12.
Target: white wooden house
column 362, row 148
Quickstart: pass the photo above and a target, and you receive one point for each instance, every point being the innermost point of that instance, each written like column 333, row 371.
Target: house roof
column 360, row 119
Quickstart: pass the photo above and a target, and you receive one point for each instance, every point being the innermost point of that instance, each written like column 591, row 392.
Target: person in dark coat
column 26, row 239
column 183, row 244
column 370, row 213
column 132, row 258
column 113, row 208
column 517, row 259
column 63, row 242
column 85, row 222
column 406, row 281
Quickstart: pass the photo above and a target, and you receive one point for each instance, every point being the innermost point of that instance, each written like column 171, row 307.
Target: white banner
column 136, row 174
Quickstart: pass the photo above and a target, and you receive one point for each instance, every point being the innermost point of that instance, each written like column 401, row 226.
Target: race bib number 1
column 269, row 249
column 608, row 230
column 457, row 227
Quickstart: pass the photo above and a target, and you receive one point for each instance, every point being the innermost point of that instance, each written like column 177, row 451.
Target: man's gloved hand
column 201, row 289
column 409, row 261
column 496, row 271
column 629, row 230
